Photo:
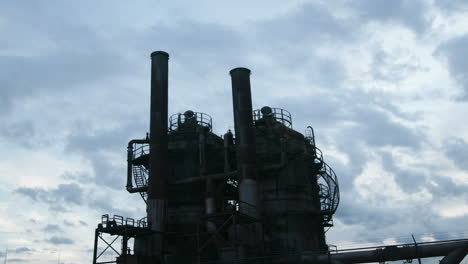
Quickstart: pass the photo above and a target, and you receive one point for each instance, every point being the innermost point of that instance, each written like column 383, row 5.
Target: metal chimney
column 245, row 136
column 157, row 198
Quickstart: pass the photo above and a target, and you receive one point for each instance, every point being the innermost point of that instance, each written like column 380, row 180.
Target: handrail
column 309, row 134
column 281, row 115
column 176, row 121
column 118, row 220
column 327, row 180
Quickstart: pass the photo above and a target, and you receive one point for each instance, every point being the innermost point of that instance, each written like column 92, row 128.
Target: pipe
column 226, row 175
column 455, row 257
column 137, row 189
column 210, row 207
column 216, row 176
column 96, row 236
column 157, row 200
column 390, row 253
column 228, row 142
column 245, row 136
column 202, row 149
column 284, row 153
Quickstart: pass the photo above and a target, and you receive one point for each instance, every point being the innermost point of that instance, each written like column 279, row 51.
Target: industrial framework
column 262, row 194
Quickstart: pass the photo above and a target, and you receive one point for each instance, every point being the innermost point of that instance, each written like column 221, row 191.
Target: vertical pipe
column 129, row 166
column 124, row 246
column 201, row 149
column 96, row 235
column 228, row 141
column 245, row 136
column 157, row 200
column 283, row 149
column 210, row 207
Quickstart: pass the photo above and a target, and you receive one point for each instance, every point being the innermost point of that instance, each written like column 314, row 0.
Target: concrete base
column 157, row 214
column 248, row 193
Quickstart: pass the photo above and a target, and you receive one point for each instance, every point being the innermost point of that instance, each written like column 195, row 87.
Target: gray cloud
column 59, row 240
column 99, row 203
column 386, row 66
column 407, row 13
column 71, row 194
column 60, row 199
column 457, row 150
column 201, row 36
column 455, row 51
column 310, row 23
column 68, row 223
column 58, row 208
column 378, row 130
column 398, row 221
column 52, row 228
column 67, row 53
column 452, row 6
column 368, row 116
column 95, row 149
column 79, row 177
column 23, row 250
column 18, row 260
column 23, row 132
column 409, row 181
column 445, row 187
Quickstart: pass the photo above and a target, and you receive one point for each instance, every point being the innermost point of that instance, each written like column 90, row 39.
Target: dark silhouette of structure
column 261, row 195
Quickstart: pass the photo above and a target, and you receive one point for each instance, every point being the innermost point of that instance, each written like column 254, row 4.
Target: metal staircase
column 138, row 164
column 140, row 177
column 327, row 181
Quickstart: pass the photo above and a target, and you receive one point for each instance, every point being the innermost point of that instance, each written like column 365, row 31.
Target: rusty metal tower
column 262, row 194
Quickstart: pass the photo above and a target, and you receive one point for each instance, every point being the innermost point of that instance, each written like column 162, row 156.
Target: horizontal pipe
column 216, row 176
column 138, row 141
column 226, row 175
column 137, row 189
column 388, row 253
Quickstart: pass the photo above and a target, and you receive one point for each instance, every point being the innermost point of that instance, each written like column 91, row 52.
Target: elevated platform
column 118, row 225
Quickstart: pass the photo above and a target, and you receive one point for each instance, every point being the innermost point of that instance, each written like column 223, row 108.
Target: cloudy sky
column 383, row 83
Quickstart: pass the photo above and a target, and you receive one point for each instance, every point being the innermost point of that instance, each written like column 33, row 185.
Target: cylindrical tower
column 156, row 204
column 245, row 137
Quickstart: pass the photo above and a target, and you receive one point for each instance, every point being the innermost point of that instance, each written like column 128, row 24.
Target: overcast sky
column 383, row 83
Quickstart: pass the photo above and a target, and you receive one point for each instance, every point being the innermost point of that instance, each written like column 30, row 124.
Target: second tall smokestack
column 157, row 201
column 245, row 136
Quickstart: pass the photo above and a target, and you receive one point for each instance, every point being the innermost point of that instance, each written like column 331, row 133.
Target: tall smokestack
column 245, row 136
column 157, row 199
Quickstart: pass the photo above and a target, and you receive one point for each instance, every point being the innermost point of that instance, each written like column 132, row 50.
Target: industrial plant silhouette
column 263, row 194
